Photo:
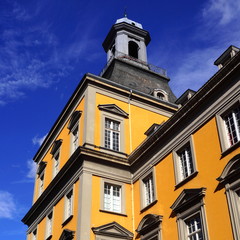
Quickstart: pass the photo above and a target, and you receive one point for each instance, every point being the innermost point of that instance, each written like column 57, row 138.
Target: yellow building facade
column 127, row 160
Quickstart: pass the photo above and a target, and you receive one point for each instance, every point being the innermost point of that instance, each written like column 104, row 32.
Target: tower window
column 133, row 49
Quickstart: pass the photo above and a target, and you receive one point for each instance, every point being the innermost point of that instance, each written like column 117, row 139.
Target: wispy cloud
column 7, row 205
column 30, row 54
column 222, row 11
column 217, row 30
column 38, row 140
column 31, row 165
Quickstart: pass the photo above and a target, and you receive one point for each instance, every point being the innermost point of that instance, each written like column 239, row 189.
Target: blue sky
column 47, row 45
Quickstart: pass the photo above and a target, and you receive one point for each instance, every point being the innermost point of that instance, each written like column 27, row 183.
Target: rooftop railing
column 127, row 58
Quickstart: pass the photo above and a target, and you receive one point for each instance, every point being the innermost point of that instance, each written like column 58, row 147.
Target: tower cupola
column 127, row 38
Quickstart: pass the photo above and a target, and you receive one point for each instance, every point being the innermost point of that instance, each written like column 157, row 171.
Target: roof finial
column 125, row 12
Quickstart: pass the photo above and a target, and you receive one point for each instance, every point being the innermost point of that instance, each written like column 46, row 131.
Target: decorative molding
column 149, row 223
column 113, row 230
column 114, row 109
column 67, row 235
column 56, row 146
column 187, row 197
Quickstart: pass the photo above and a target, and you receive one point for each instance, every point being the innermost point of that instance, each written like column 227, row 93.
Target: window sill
column 108, row 150
column 148, row 206
column 230, row 149
column 111, row 212
column 67, row 220
column 186, row 179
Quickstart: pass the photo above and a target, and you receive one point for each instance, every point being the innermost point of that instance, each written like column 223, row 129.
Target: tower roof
column 126, row 20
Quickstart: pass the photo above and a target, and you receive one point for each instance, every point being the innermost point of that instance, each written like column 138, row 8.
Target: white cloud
column 38, row 140
column 222, row 11
column 31, row 165
column 7, row 205
column 195, row 69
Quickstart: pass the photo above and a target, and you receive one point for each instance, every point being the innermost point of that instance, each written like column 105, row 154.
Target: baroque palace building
column 126, row 160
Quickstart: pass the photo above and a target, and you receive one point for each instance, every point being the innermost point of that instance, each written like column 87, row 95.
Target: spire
column 125, row 12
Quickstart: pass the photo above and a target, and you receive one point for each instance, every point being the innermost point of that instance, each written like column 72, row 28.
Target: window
column 232, row 124
column 49, row 225
column 133, row 49
column 56, row 156
column 74, row 130
column 56, row 163
column 230, row 178
column 40, row 173
column 112, row 134
column 112, row 197
column 34, row 235
column 74, row 138
column 228, row 121
column 112, row 128
column 41, row 183
column 194, row 228
column 68, row 205
column 147, row 190
column 68, row 209
column 190, row 212
column 184, row 161
column 149, row 227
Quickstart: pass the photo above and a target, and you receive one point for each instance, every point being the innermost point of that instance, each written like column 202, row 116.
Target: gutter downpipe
column 130, row 139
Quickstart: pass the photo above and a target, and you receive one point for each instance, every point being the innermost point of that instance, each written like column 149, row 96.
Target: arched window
column 132, row 49
column 230, row 178
column 160, row 94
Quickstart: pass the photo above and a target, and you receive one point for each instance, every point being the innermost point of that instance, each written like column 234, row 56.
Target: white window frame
column 49, row 225
column 222, row 127
column 114, row 142
column 184, row 214
column 41, row 183
column 74, row 137
column 74, row 128
column 107, row 115
column 232, row 185
column 112, row 184
column 69, row 204
column 191, row 167
column 148, row 189
column 56, row 162
column 34, row 234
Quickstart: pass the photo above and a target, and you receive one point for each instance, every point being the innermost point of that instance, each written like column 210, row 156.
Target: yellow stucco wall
column 99, row 218
column 139, row 120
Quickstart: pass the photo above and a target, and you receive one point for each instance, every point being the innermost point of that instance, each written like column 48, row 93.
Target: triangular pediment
column 41, row 167
column 74, row 118
column 114, row 109
column 67, row 235
column 113, row 229
column 56, row 146
column 187, row 197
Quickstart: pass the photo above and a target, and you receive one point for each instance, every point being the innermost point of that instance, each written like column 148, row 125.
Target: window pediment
column 56, row 146
column 231, row 169
column 67, row 235
column 114, row 230
column 41, row 167
column 148, row 223
column 187, row 198
column 114, row 109
column 74, row 118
